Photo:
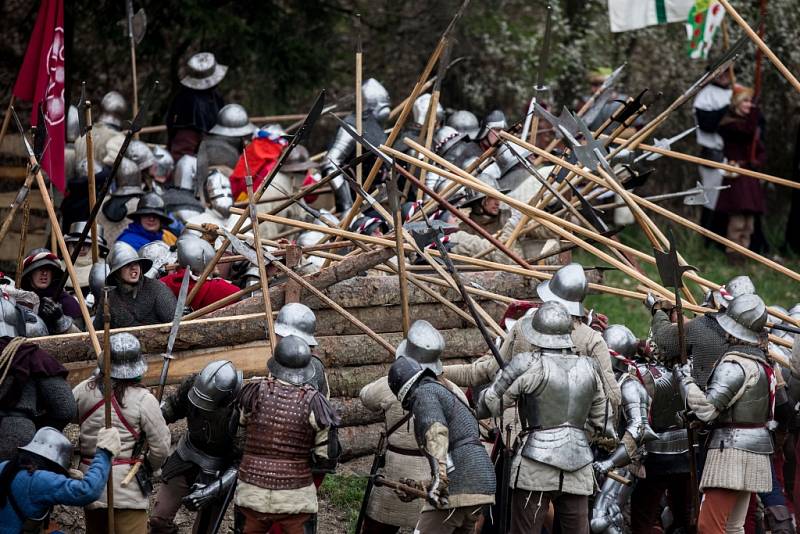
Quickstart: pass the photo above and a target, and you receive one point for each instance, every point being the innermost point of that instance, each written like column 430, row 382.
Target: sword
column 162, row 381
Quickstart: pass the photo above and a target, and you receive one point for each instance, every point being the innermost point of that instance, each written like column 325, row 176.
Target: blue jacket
column 136, row 236
column 36, row 493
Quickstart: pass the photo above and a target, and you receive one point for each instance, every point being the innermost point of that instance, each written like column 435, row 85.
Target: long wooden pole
column 359, row 96
column 262, row 268
column 107, row 392
column 91, row 177
column 7, row 118
column 719, row 165
column 23, row 237
column 761, row 44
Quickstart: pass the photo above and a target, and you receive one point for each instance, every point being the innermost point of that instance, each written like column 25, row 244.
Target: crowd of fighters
column 608, row 424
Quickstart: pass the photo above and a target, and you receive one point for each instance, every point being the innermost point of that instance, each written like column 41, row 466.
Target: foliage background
column 281, row 52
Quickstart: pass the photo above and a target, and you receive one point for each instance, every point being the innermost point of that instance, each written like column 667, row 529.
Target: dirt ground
column 331, row 520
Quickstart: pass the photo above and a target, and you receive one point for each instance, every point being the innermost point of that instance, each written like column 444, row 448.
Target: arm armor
column 727, row 380
column 202, row 495
column 606, row 515
column 512, row 371
column 341, row 149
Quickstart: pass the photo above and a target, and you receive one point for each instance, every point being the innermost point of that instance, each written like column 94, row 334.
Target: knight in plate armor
column 462, row 479
column 634, row 429
column 286, row 422
column 203, row 468
column 561, row 394
column 376, row 112
column 739, row 400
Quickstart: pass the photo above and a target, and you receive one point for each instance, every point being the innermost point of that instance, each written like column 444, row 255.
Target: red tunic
column 212, row 290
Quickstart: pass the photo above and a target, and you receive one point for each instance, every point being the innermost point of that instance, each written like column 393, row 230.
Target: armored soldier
column 194, row 109
column 222, row 146
column 287, row 423
column 180, row 199
column 419, row 114
column 203, row 468
column 122, row 200
column 161, row 170
column 83, row 263
column 37, row 478
column 135, row 299
column 107, row 126
column 18, row 309
column 376, row 112
column 386, row 512
column 462, row 480
column 40, row 272
column 562, row 393
column 634, row 428
column 136, row 415
column 150, row 222
column 218, row 198
column 195, row 253
column 739, row 399
column 34, row 392
column 161, row 255
column 705, row 338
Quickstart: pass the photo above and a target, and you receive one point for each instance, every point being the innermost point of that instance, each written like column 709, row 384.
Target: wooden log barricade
column 352, row 358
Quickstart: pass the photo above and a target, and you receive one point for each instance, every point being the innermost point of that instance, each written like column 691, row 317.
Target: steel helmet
column 127, row 361
column 376, row 99
column 113, row 107
column 194, row 252
column 621, row 340
column 291, row 361
column 123, row 254
column 549, row 327
column 404, row 374
column 164, row 163
column 295, row 319
column 465, row 122
column 217, row 385
column 425, row 344
column 446, row 138
column 139, row 153
column 52, row 445
column 738, row 285
column 128, row 180
column 73, row 124
column 745, row 318
column 568, row 286
column 421, row 107
column 233, row 121
column 218, row 192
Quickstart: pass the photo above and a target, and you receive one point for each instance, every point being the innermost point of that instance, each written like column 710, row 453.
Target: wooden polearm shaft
column 107, row 393
column 262, row 268
column 91, row 179
column 759, row 42
column 719, row 165
column 7, row 118
column 23, row 237
column 359, row 95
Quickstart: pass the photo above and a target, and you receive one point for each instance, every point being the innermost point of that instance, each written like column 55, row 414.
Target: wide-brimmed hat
column 424, row 344
column 233, row 121
column 549, row 327
column 203, row 71
column 151, row 204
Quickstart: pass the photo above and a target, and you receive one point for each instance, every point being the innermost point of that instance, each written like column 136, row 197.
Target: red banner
column 41, row 81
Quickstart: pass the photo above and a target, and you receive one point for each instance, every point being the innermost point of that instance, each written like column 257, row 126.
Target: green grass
column 344, row 492
column 711, row 264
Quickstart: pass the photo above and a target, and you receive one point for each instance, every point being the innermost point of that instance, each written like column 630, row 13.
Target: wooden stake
column 761, row 44
column 359, row 96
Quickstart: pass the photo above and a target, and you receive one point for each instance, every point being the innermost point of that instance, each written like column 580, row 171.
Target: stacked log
column 352, row 359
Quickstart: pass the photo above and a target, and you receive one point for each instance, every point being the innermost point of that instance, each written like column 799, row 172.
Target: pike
column 696, row 196
column 595, row 104
column 107, row 393
column 144, row 481
column 671, row 272
column 135, row 126
column 302, row 133
column 135, row 33
column 531, row 121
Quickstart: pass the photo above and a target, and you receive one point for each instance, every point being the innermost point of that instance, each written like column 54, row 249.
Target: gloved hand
column 437, row 488
column 684, row 371
column 108, row 439
column 655, row 303
column 75, row 474
column 407, row 497
column 200, row 495
column 603, row 467
column 50, row 311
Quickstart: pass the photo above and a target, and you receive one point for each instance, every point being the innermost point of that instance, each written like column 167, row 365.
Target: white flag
column 627, row 15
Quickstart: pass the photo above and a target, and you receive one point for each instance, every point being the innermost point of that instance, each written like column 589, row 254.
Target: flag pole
column 6, row 118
